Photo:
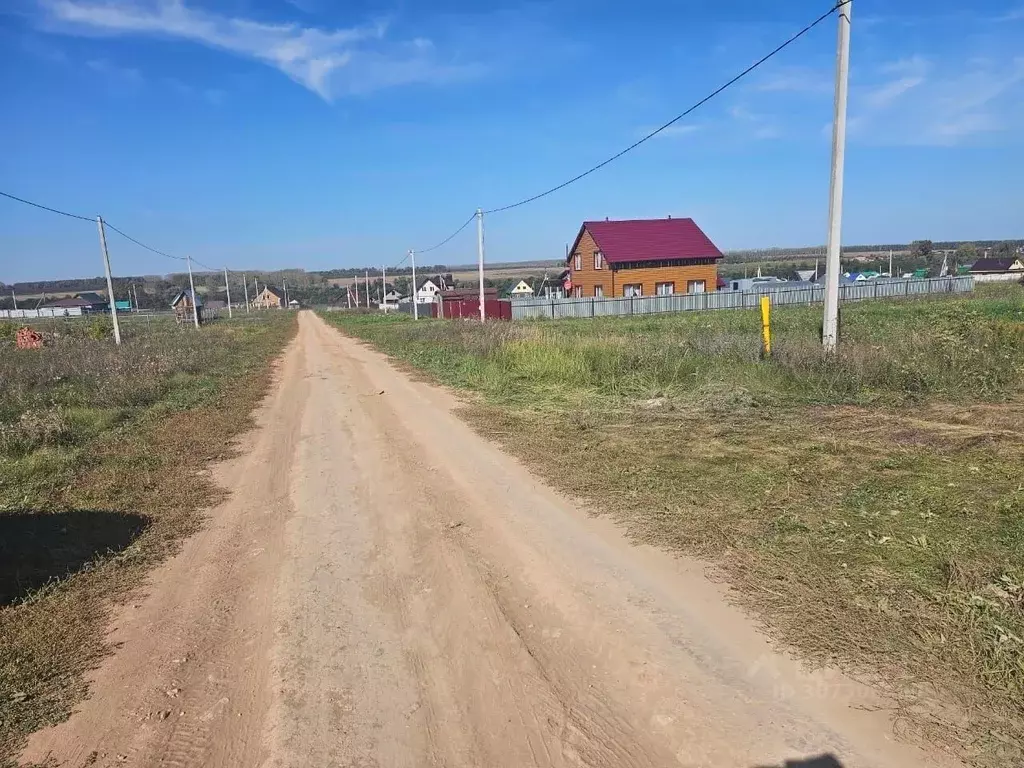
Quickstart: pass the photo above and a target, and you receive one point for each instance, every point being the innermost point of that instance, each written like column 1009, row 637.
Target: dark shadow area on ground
column 38, row 546
column 822, row 761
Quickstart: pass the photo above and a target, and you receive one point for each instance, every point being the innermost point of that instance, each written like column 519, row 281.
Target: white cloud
column 760, row 126
column 980, row 95
column 909, row 74
column 675, row 131
column 328, row 62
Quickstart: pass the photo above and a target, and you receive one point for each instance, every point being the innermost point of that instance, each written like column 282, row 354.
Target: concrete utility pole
column 110, row 282
column 256, row 288
column 384, row 288
column 480, row 259
column 15, row 298
column 227, row 287
column 367, row 289
column 245, row 287
column 415, row 296
column 830, row 325
column 192, row 287
column 284, row 284
column 891, row 275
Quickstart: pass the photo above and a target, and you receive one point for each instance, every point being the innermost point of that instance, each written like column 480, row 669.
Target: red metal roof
column 650, row 240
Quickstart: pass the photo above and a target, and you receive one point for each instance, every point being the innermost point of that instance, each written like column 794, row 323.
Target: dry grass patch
column 84, row 518
column 868, row 509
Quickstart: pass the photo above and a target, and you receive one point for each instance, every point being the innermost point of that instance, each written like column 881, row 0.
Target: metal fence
column 14, row 314
column 810, row 293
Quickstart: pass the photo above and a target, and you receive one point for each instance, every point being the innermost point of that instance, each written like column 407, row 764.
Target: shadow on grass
column 37, row 546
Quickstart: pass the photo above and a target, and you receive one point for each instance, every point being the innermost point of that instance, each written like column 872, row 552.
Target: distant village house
column 997, row 270
column 269, row 298
column 186, row 308
column 522, row 291
column 643, row 257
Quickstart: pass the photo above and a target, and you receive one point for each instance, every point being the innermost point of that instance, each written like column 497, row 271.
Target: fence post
column 552, row 309
column 593, row 305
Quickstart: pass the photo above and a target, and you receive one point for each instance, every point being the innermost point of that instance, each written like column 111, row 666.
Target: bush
column 100, row 328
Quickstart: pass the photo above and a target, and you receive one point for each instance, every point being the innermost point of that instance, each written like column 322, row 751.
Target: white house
column 392, row 297
column 522, row 290
column 428, row 290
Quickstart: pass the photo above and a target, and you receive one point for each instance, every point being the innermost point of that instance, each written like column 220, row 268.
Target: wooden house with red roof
column 642, row 257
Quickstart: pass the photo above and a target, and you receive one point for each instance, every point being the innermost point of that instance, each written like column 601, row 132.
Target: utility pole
column 284, row 283
column 415, row 296
column 480, row 259
column 891, row 275
column 245, row 287
column 227, row 287
column 110, row 282
column 192, row 287
column 830, row 324
column 15, row 298
column 384, row 288
column 256, row 288
column 367, row 289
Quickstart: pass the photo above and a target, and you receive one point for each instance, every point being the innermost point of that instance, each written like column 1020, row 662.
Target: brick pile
column 26, row 338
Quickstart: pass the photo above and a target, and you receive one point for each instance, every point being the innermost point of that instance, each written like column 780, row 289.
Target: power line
column 108, row 225
column 206, row 266
column 678, row 117
column 47, row 208
column 447, row 239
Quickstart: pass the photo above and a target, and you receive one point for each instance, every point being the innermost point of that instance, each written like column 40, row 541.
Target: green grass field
column 870, row 509
column 101, row 450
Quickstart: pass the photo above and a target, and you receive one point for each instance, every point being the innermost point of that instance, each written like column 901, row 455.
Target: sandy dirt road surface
column 386, row 588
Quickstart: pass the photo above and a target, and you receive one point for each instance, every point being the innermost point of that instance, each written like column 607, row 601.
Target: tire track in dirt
column 385, row 588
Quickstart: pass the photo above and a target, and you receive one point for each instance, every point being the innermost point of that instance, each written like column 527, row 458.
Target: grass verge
column 868, row 509
column 101, row 452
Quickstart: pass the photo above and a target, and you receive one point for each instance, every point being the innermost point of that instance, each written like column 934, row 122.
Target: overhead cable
column 678, row 117
column 48, row 208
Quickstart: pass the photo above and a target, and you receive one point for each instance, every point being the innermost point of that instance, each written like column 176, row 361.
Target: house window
column 598, row 260
column 664, row 289
column 577, row 292
column 633, row 289
column 695, row 286
column 598, row 291
column 579, row 261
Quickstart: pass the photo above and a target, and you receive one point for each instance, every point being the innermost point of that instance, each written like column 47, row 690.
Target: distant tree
column 966, row 253
column 921, row 249
column 1004, row 250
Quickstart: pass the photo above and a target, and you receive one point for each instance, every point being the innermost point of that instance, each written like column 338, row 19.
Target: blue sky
column 318, row 134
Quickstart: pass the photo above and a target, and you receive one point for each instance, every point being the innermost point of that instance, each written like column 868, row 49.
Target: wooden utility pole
column 110, row 282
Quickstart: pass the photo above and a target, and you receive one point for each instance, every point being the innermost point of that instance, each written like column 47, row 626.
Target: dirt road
column 385, row 588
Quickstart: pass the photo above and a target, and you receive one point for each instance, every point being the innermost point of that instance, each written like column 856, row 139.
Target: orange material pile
column 26, row 338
